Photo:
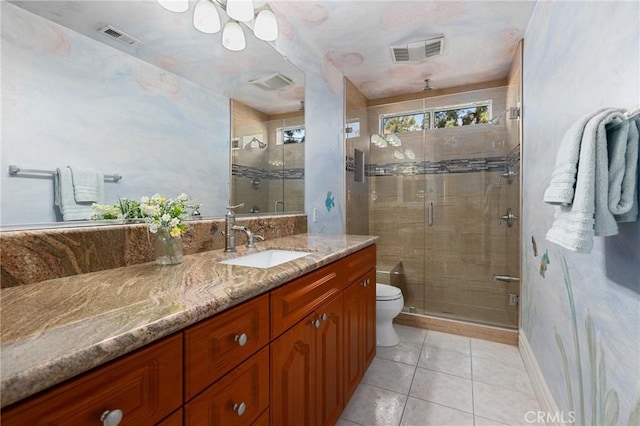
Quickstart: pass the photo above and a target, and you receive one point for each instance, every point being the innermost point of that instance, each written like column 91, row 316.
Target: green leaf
column 611, row 408
column 634, row 416
column 591, row 346
column 565, row 367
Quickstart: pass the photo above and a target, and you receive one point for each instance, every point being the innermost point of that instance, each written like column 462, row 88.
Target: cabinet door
column 236, row 399
column 368, row 301
column 146, row 386
column 353, row 348
column 329, row 355
column 293, row 375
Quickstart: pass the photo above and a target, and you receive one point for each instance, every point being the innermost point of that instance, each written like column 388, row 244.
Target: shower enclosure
column 444, row 198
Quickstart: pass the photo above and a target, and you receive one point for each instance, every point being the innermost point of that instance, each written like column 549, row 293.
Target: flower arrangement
column 164, row 214
column 158, row 212
column 163, row 217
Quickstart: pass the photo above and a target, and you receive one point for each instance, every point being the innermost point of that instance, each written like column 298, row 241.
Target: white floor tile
column 481, row 421
column 373, row 406
column 444, row 389
column 410, row 334
column 451, row 342
column 497, row 373
column 390, row 375
column 506, row 354
column 502, row 404
column 406, row 353
column 423, row 413
column 445, row 361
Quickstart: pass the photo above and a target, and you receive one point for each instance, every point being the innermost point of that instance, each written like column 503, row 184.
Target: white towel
column 65, row 198
column 584, row 209
column 623, row 169
column 85, row 184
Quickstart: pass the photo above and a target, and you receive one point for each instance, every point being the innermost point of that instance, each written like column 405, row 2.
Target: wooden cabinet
column 146, row 386
column 359, row 329
column 217, row 345
column 237, row 399
column 322, row 332
column 306, row 370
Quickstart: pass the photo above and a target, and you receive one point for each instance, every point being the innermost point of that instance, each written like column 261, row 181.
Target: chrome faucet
column 230, row 229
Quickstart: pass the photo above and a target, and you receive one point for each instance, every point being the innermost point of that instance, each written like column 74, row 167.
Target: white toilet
column 389, row 303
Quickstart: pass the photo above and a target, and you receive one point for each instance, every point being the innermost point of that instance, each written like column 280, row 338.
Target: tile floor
column 440, row 379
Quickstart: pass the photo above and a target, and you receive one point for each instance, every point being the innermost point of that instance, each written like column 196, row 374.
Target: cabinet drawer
column 248, row 384
column 358, row 264
column 146, row 386
column 215, row 346
column 297, row 299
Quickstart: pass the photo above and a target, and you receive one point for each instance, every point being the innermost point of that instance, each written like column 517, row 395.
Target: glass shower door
column 466, row 244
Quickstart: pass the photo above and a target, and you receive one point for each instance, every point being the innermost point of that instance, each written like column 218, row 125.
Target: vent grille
column 272, row 82
column 121, row 36
column 414, row 52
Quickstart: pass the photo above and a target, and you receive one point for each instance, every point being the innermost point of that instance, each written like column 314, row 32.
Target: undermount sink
column 266, row 259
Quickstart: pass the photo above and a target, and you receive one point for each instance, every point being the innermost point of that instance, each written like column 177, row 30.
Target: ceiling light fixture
column 207, row 20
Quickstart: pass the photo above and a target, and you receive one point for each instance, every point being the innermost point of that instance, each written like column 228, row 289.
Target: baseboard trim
column 539, row 384
column 445, row 325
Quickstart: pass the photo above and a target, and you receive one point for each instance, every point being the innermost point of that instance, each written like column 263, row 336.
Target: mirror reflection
column 267, row 157
column 156, row 113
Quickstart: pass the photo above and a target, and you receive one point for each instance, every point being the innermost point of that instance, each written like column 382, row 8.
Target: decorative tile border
column 252, row 172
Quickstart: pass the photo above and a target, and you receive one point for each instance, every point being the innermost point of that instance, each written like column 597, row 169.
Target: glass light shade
column 378, row 141
column 266, row 26
column 394, row 140
column 206, row 18
column 240, row 10
column 233, row 37
column 175, row 5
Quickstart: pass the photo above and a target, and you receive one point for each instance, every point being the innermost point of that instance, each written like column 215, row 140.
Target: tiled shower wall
column 446, row 269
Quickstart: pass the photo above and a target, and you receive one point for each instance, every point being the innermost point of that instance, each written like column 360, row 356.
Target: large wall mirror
column 155, row 110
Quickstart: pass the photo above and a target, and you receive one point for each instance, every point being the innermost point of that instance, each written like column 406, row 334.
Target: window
column 408, row 122
column 353, row 129
column 448, row 116
column 287, row 135
column 465, row 116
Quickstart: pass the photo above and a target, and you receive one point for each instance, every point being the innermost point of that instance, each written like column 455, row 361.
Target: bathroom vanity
column 197, row 343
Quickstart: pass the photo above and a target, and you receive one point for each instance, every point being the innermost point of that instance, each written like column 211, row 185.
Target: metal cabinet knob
column 323, row 317
column 241, row 339
column 111, row 417
column 240, row 408
column 316, row 323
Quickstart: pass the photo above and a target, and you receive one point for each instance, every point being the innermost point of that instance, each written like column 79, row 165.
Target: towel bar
column 629, row 115
column 15, row 171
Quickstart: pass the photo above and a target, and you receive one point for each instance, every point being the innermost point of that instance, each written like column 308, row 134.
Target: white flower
column 144, row 200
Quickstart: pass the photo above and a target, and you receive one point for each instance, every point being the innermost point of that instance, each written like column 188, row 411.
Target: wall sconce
column 207, row 20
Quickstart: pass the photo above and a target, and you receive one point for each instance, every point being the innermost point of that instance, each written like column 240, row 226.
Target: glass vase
column 168, row 248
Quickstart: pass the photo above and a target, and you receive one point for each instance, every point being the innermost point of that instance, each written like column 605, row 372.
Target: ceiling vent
column 121, row 36
column 272, row 82
column 414, row 52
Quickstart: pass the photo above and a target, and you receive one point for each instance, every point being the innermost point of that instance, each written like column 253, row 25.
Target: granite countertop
column 54, row 330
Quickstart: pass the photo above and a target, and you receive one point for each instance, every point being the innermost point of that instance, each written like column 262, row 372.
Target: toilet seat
column 386, row 292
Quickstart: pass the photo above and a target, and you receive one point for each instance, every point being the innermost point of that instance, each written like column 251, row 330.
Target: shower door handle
column 430, row 214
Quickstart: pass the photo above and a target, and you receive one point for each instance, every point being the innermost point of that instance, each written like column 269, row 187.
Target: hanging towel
column 85, row 184
column 623, row 169
column 65, row 197
column 583, row 200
